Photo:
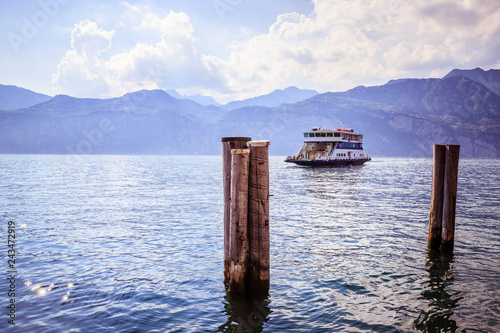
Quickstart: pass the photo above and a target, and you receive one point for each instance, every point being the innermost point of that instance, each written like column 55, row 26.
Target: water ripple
column 134, row 244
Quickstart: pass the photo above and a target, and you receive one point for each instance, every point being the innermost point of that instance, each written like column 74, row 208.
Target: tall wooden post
column 258, row 214
column 436, row 214
column 228, row 143
column 450, row 197
column 239, row 252
column 443, row 197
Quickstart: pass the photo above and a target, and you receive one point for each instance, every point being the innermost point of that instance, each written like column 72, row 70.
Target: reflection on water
column 246, row 313
column 440, row 294
column 135, row 244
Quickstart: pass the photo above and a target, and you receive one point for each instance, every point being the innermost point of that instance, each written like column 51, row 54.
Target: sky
column 236, row 49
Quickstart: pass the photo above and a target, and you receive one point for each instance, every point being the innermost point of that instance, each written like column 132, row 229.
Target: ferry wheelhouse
column 325, row 147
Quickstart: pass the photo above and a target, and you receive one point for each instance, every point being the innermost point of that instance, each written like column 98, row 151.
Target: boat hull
column 332, row 163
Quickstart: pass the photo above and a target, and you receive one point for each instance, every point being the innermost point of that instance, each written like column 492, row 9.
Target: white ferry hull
column 333, row 163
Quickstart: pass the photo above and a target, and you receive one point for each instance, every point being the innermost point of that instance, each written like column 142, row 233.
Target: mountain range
column 200, row 99
column 12, row 97
column 276, row 98
column 403, row 117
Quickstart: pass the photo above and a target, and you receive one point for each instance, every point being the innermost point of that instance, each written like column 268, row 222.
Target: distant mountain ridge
column 140, row 122
column 12, row 97
column 200, row 99
column 401, row 118
column 289, row 95
column 490, row 79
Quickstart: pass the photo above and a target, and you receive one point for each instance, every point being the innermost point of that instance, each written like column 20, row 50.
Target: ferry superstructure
column 325, row 147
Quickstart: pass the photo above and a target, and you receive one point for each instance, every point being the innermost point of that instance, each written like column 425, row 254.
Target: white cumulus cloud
column 79, row 72
column 345, row 43
column 341, row 44
column 170, row 62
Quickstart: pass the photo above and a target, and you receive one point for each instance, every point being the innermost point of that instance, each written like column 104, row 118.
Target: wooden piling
column 258, row 214
column 239, row 252
column 436, row 214
column 228, row 143
column 443, row 197
column 450, row 197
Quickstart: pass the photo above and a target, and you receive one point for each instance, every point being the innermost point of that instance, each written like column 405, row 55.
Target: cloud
column 79, row 72
column 87, row 39
column 170, row 62
column 341, row 44
column 347, row 43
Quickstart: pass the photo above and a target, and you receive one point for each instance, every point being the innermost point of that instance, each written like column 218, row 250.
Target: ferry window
column 337, row 135
column 306, row 135
column 329, row 135
column 322, row 134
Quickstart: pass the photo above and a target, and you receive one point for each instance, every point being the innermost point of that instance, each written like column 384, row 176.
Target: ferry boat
column 331, row 148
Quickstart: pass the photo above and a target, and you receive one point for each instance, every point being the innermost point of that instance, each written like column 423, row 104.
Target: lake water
column 135, row 244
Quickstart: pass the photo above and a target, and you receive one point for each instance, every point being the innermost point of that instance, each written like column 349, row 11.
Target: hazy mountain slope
column 141, row 122
column 490, row 79
column 200, row 99
column 276, row 98
column 454, row 95
column 403, row 119
column 12, row 97
column 144, row 101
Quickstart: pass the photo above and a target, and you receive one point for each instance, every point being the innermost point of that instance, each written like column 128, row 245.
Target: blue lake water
column 135, row 244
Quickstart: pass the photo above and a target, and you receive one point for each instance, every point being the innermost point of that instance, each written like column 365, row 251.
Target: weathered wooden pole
column 258, row 214
column 450, row 197
column 436, row 214
column 228, row 143
column 443, row 197
column 239, row 252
